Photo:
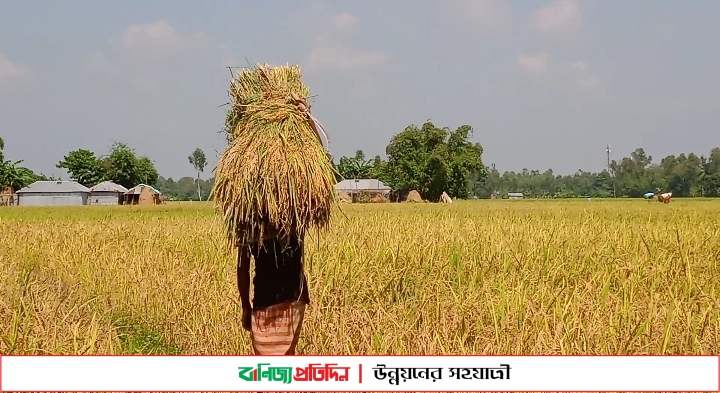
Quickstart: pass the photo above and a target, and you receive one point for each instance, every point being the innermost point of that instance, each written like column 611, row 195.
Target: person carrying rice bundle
column 273, row 184
column 276, row 313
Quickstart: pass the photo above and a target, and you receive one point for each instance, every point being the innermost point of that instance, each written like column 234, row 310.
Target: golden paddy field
column 480, row 277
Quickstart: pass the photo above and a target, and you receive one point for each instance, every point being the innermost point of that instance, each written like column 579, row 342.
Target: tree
column 184, row 189
column 121, row 165
column 17, row 177
column 378, row 169
column 355, row 167
column 465, row 160
column 125, row 168
column 408, row 156
column 12, row 175
column 710, row 176
column 146, row 171
column 199, row 162
column 433, row 160
column 83, row 167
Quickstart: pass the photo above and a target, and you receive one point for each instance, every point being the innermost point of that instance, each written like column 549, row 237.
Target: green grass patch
column 138, row 339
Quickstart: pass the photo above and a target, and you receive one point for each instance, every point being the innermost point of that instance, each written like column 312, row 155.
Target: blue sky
column 544, row 84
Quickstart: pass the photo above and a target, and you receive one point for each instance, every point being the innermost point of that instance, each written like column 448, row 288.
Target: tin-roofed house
column 515, row 195
column 142, row 194
column 363, row 189
column 53, row 193
column 107, row 193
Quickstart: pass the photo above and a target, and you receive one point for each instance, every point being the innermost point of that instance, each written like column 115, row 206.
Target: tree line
column 427, row 158
column 686, row 175
column 432, row 160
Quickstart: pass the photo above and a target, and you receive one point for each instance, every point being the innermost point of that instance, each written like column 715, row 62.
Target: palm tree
column 199, row 162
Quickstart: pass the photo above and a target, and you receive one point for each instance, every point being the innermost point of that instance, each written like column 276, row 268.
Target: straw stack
column 275, row 178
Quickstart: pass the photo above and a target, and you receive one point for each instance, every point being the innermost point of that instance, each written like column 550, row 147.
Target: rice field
column 475, row 277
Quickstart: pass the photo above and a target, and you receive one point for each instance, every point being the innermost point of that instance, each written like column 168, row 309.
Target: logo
column 262, row 373
column 312, row 372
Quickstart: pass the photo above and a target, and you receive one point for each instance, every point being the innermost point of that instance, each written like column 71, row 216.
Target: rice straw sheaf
column 275, row 178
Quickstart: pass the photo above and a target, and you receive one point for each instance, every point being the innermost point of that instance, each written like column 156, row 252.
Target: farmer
column 275, row 316
column 665, row 197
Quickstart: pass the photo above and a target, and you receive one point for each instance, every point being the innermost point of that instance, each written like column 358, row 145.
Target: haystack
column 414, row 196
column 344, row 197
column 275, row 177
column 142, row 194
column 7, row 196
column 445, row 198
column 146, row 197
column 379, row 198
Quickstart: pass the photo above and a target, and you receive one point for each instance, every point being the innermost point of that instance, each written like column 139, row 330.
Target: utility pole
column 608, row 158
column 609, row 169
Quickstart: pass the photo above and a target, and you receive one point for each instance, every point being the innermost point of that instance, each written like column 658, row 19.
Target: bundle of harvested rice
column 379, row 198
column 275, row 178
column 445, row 198
column 344, row 197
column 414, row 196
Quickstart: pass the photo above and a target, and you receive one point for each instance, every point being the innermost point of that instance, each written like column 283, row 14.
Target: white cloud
column 559, row 17
column 576, row 73
column 333, row 51
column 485, row 16
column 9, row 70
column 142, row 50
column 534, row 64
column 586, row 79
column 332, row 55
column 159, row 40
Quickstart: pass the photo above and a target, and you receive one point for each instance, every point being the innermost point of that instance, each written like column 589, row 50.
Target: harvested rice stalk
column 275, row 178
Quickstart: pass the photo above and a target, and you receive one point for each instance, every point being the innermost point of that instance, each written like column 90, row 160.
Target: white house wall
column 105, row 199
column 51, row 199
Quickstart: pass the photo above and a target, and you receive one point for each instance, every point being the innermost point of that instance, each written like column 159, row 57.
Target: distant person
column 665, row 197
column 649, row 196
column 275, row 316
